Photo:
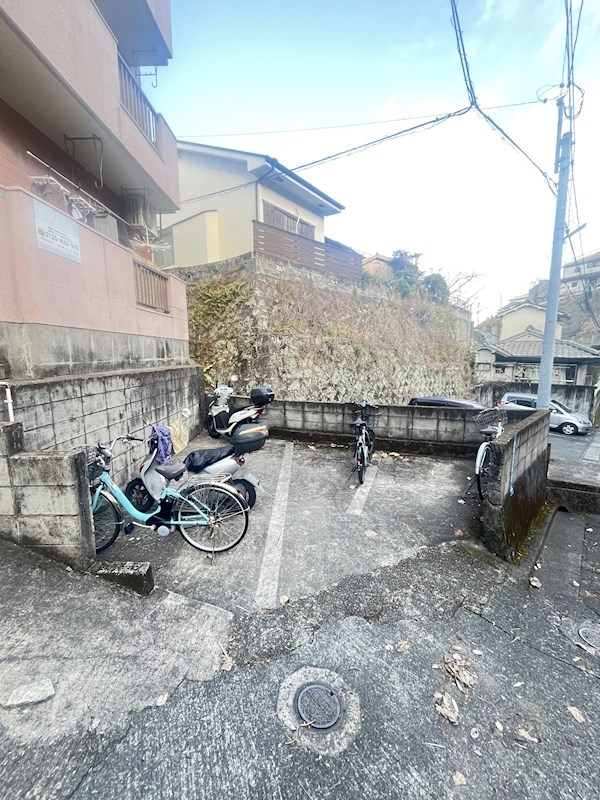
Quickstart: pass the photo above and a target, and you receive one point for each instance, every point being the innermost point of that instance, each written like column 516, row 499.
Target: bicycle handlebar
column 106, row 449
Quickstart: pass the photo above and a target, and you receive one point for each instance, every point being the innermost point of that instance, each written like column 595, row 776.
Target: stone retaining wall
column 315, row 337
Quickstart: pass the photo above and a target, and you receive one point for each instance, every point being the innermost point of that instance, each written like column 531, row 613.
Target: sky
column 244, row 74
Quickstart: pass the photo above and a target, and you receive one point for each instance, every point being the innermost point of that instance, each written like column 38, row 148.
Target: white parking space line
column 360, row 496
column 268, row 581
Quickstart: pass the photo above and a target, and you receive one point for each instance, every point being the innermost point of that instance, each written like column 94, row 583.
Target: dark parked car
column 447, row 402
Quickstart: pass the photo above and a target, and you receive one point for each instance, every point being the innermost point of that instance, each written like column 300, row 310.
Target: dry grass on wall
column 317, row 342
column 338, row 346
column 222, row 328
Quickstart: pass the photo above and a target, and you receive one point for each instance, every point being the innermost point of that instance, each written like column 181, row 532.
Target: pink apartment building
column 86, row 165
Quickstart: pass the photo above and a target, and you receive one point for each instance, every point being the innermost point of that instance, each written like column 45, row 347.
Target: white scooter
column 223, row 419
column 226, row 463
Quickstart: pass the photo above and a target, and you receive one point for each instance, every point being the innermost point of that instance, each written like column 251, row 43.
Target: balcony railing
column 328, row 258
column 136, row 102
column 151, row 287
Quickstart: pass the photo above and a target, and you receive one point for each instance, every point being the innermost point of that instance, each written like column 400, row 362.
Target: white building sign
column 56, row 233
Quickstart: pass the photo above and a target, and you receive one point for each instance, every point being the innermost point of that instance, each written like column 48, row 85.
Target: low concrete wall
column 416, row 428
column 67, row 413
column 45, row 500
column 574, row 486
column 516, row 486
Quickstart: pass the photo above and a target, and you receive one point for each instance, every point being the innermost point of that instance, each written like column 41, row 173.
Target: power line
column 346, row 124
column 343, row 153
column 473, row 97
column 429, row 123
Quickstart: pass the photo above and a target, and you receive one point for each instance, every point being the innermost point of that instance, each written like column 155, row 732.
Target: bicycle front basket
column 94, row 468
column 491, row 416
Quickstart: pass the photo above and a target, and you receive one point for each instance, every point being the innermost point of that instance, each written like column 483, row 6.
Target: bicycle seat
column 491, row 431
column 172, row 472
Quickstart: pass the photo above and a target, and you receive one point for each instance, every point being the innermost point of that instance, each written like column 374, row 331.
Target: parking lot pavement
column 313, row 525
column 569, row 448
column 457, row 675
column 576, row 448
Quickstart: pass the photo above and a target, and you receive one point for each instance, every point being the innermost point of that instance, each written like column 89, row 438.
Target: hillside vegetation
column 313, row 339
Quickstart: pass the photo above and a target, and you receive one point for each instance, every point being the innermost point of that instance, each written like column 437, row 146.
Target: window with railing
column 151, row 287
column 136, row 102
column 278, row 218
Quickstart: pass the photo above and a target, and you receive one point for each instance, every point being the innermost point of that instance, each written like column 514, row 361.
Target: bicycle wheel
column 226, row 519
column 107, row 522
column 361, row 464
column 370, row 439
column 138, row 495
column 482, row 473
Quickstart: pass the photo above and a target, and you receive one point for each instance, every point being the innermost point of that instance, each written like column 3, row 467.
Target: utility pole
column 562, row 165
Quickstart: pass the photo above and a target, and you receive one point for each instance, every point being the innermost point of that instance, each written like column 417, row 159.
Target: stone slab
column 30, row 693
column 136, row 576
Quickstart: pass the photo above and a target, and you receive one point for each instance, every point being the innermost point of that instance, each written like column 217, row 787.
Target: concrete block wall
column 516, row 486
column 419, row 428
column 45, row 500
column 67, row 413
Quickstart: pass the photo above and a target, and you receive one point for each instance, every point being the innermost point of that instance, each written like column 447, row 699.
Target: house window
column 278, row 218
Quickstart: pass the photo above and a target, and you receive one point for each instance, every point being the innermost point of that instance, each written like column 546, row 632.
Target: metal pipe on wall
column 9, row 401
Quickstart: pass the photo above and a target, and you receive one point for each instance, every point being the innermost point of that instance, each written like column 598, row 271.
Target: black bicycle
column 367, row 417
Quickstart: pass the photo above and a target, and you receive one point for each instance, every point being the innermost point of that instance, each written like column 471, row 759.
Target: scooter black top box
column 249, row 438
column 262, row 395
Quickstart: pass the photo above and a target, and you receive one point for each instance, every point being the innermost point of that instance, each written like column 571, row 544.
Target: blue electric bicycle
column 212, row 517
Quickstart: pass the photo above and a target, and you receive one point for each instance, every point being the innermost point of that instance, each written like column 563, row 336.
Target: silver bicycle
column 494, row 420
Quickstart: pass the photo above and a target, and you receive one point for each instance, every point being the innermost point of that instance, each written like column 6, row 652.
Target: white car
column 561, row 417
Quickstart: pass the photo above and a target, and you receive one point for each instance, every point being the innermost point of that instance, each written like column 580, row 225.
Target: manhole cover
column 591, row 635
column 319, row 705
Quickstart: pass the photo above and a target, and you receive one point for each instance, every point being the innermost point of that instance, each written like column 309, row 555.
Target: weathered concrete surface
column 143, row 708
column 574, row 486
column 224, row 738
column 515, row 485
column 72, row 411
column 45, row 501
column 325, row 528
column 134, row 575
column 106, row 651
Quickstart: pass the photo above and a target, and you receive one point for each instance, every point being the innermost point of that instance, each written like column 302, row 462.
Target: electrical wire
column 343, row 153
column 473, row 97
column 346, row 124
column 429, row 123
